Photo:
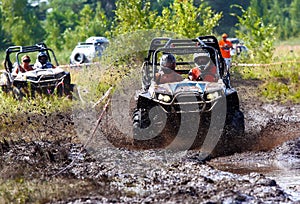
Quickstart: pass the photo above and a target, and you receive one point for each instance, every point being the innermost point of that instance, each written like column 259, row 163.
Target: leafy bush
column 181, row 18
column 258, row 37
column 281, row 81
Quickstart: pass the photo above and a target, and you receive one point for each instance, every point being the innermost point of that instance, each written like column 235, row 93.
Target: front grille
column 192, row 102
column 47, row 77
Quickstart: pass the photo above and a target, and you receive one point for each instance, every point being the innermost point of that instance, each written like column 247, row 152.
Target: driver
column 42, row 61
column 205, row 69
column 167, row 73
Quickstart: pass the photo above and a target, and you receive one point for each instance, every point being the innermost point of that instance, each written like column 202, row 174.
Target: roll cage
column 182, row 47
column 40, row 47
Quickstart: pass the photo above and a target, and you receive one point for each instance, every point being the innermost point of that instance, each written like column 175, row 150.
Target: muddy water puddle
column 285, row 175
column 288, row 179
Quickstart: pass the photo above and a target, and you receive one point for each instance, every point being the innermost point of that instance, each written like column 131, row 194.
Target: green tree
column 295, row 17
column 282, row 14
column 90, row 23
column 183, row 18
column 4, row 40
column 258, row 37
column 132, row 15
column 159, row 5
column 107, row 5
column 227, row 22
column 63, row 5
column 20, row 22
column 57, row 22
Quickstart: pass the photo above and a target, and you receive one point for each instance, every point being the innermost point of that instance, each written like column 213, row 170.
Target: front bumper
column 189, row 102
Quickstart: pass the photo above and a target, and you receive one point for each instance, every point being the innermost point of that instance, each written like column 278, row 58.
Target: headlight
column 164, row 98
column 21, row 77
column 212, row 96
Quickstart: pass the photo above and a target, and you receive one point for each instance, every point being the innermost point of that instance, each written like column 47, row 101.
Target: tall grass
column 281, row 80
column 21, row 190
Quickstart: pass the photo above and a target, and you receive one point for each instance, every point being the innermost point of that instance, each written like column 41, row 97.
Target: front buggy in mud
column 186, row 114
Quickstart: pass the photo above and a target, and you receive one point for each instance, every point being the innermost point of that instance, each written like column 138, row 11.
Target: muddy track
column 54, row 146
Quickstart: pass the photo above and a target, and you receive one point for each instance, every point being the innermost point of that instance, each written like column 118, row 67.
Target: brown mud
column 60, row 146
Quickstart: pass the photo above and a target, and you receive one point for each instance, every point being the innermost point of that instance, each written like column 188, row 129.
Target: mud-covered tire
column 5, row 89
column 236, row 123
column 140, row 123
column 149, row 133
column 232, row 139
column 18, row 93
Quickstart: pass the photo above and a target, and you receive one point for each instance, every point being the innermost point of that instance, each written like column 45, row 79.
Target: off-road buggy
column 86, row 52
column 184, row 114
column 41, row 80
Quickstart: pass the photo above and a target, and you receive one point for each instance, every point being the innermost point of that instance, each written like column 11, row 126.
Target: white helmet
column 202, row 60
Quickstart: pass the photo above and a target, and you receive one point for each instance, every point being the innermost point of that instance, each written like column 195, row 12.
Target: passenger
column 42, row 61
column 25, row 66
column 205, row 69
column 167, row 73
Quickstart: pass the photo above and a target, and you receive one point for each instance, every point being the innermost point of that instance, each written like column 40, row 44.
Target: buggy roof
column 40, row 47
column 184, row 46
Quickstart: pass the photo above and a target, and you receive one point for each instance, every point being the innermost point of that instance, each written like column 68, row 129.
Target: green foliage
column 275, row 91
column 281, row 82
column 4, row 40
column 227, row 22
column 181, row 18
column 10, row 106
column 187, row 20
column 132, row 15
column 19, row 14
column 258, row 37
column 63, row 6
column 282, row 14
column 90, row 23
column 57, row 22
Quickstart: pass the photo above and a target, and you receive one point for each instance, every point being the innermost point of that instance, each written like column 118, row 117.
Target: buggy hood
column 186, row 86
column 38, row 74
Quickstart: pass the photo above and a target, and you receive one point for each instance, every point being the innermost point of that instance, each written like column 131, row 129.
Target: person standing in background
column 225, row 46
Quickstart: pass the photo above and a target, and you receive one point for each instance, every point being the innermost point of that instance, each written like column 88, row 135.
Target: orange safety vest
column 225, row 50
column 205, row 76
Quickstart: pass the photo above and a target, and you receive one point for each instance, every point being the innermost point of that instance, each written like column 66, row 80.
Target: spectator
column 25, row 66
column 205, row 70
column 226, row 46
column 42, row 61
column 167, row 73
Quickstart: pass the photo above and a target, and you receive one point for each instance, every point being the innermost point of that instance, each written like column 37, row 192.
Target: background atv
column 186, row 114
column 86, row 52
column 42, row 80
